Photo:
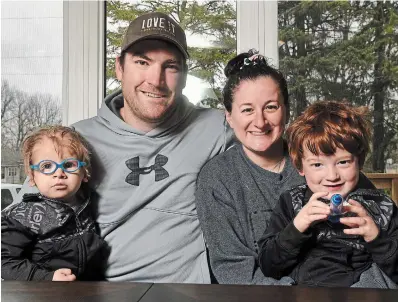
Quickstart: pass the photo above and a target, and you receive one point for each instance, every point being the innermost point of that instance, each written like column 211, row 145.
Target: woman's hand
column 314, row 210
column 64, row 274
column 362, row 225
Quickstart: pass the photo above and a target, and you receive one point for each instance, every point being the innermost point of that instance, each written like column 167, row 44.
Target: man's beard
column 138, row 112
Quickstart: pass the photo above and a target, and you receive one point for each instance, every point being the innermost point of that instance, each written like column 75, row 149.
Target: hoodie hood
column 109, row 113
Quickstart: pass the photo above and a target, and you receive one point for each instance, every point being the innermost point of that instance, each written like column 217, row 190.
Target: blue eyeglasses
column 48, row 167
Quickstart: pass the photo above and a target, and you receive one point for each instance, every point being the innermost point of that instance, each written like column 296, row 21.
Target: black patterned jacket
column 40, row 235
column 324, row 255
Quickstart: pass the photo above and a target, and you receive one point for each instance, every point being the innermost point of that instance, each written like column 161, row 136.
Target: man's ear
column 118, row 69
column 301, row 173
column 85, row 179
column 229, row 119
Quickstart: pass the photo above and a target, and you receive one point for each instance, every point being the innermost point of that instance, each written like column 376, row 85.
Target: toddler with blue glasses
column 51, row 235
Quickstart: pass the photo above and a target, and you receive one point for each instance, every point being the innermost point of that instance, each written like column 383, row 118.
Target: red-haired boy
column 328, row 145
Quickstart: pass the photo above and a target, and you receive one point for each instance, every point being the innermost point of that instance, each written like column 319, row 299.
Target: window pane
column 211, row 36
column 31, row 68
column 345, row 50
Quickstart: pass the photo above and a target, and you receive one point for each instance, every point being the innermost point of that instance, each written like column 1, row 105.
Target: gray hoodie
column 145, row 185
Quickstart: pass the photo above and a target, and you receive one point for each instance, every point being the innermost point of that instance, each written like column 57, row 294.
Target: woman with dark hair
column 238, row 189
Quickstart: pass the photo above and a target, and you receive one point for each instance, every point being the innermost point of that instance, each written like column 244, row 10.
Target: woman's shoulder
column 223, row 161
column 222, row 167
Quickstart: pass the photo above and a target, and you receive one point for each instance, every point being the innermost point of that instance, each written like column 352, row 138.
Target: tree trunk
column 379, row 93
column 300, row 93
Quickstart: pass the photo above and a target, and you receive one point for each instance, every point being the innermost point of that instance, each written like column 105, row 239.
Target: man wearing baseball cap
column 156, row 26
column 149, row 144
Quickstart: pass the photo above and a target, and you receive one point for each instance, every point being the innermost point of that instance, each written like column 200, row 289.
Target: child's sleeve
column 281, row 243
column 384, row 249
column 16, row 241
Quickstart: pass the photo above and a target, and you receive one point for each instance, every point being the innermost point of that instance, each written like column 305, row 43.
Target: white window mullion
column 65, row 64
column 97, row 41
column 257, row 27
column 83, row 74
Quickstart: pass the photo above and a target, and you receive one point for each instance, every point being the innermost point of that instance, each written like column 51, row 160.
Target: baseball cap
column 155, row 25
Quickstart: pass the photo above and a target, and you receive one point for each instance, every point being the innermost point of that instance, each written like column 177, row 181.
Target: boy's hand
column 314, row 210
column 362, row 225
column 64, row 274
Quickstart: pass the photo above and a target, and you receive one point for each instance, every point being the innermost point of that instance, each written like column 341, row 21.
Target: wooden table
column 257, row 293
column 46, row 291
column 13, row 291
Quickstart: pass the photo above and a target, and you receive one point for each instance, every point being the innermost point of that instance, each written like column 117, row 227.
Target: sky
column 32, row 46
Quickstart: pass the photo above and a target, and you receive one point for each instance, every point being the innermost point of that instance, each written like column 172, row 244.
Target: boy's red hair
column 327, row 125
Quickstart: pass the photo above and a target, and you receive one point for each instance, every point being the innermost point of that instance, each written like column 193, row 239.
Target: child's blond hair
column 77, row 145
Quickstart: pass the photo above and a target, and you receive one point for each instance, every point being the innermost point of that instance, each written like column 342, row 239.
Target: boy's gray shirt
column 144, row 185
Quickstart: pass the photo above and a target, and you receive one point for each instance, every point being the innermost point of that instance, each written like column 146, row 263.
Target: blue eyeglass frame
column 58, row 165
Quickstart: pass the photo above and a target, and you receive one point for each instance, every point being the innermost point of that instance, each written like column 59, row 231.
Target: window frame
column 84, row 49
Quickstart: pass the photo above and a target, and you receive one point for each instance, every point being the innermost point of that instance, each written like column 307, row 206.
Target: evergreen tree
column 344, row 50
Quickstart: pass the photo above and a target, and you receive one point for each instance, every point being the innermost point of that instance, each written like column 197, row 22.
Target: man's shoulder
column 210, row 127
column 91, row 128
column 209, row 111
column 83, row 125
column 210, row 116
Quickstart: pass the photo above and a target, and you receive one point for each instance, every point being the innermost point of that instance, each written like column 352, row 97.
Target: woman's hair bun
column 249, row 58
column 235, row 64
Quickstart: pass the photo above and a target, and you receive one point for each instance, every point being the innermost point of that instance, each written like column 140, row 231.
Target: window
column 12, row 171
column 344, row 51
column 6, row 198
column 211, row 36
column 3, row 173
column 31, row 68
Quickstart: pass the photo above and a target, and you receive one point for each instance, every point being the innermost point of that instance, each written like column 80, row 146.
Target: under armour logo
column 134, row 165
